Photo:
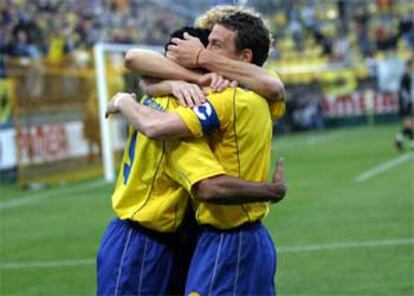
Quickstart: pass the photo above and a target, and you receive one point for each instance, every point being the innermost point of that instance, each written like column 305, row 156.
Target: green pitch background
column 335, row 236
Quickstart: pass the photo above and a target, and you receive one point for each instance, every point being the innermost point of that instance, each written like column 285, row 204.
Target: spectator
column 406, row 111
column 406, row 29
column 296, row 29
column 308, row 17
column 21, row 47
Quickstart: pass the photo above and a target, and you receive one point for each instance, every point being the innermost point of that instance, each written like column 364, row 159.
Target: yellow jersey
column 277, row 109
column 239, row 125
column 144, row 192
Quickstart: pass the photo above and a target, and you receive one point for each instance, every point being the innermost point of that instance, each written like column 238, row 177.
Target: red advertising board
column 42, row 143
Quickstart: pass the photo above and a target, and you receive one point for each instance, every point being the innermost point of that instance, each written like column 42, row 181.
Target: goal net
column 58, row 119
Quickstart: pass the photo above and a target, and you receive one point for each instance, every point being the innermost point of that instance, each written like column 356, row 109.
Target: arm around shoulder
column 153, row 64
column 246, row 74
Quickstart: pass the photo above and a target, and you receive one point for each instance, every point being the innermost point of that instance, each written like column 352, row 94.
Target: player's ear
column 246, row 55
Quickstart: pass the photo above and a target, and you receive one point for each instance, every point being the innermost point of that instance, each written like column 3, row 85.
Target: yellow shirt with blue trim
column 144, row 191
column 239, row 125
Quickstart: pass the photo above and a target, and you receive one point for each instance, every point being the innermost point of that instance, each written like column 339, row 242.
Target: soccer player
column 136, row 254
column 187, row 53
column 406, row 107
column 208, row 19
column 234, row 252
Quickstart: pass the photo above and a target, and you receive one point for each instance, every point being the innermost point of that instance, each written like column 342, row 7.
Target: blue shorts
column 241, row 261
column 133, row 260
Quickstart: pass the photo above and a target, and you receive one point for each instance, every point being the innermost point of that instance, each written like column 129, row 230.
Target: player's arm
column 154, row 86
column 183, row 122
column 192, row 164
column 152, row 123
column 188, row 94
column 191, row 53
column 228, row 190
column 152, row 64
column 246, row 74
column 178, row 81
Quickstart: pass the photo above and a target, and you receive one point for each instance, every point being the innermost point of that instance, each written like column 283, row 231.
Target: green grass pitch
column 335, row 235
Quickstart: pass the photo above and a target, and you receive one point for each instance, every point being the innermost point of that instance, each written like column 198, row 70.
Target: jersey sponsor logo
column 207, row 117
column 150, row 102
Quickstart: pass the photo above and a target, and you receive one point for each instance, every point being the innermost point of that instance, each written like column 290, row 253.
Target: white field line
column 383, row 167
column 308, row 140
column 286, row 249
column 58, row 192
column 47, row 264
column 347, row 245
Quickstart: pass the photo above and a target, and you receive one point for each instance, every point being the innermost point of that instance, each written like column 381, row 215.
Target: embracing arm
column 152, row 123
column 227, row 190
column 152, row 64
column 160, row 76
column 191, row 53
column 188, row 94
column 246, row 74
column 154, row 86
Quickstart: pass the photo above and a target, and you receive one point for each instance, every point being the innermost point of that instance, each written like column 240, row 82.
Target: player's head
column 200, row 33
column 210, row 18
column 241, row 36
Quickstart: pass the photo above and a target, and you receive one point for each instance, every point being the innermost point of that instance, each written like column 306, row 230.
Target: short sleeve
column 190, row 161
column 277, row 109
column 212, row 115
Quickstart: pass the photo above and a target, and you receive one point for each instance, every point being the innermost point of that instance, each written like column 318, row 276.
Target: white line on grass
column 308, row 141
column 347, row 245
column 383, row 167
column 286, row 249
column 58, row 192
column 47, row 264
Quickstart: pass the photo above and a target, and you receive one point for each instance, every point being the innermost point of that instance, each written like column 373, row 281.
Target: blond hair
column 210, row 18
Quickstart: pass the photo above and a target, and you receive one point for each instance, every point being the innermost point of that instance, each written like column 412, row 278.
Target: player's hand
column 113, row 105
column 279, row 181
column 184, row 51
column 188, row 94
column 216, row 82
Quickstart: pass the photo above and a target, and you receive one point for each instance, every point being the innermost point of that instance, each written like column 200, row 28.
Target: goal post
column 100, row 50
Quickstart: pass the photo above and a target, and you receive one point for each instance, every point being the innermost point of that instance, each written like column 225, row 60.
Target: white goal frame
column 99, row 51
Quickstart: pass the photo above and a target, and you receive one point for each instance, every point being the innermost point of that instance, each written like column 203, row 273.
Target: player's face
column 222, row 41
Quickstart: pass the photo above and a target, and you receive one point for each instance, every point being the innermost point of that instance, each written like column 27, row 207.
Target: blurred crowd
column 341, row 29
column 38, row 27
column 333, row 28
column 305, row 32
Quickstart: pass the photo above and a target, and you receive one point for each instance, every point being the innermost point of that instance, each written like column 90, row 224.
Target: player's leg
column 132, row 262
column 241, row 262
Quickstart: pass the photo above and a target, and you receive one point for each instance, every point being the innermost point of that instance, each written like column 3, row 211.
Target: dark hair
column 251, row 33
column 201, row 34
